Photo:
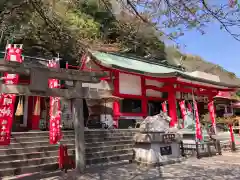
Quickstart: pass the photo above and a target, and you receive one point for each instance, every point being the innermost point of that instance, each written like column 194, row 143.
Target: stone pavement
column 224, row 167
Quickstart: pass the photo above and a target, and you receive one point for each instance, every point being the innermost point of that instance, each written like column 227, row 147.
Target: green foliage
column 49, row 27
column 238, row 94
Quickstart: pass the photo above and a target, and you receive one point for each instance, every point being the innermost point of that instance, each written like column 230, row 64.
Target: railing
column 206, row 149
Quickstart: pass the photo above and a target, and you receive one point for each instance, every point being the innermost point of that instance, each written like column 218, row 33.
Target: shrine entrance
column 21, row 104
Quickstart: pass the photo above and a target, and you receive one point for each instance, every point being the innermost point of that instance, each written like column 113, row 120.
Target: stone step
column 127, row 132
column 101, row 154
column 14, row 151
column 108, row 148
column 20, row 139
column 33, row 144
column 100, row 131
column 89, row 143
column 37, row 133
column 28, row 162
column 92, row 149
column 108, row 143
column 16, row 167
column 47, row 154
column 31, row 155
column 107, row 159
column 106, row 134
column 28, row 169
column 106, row 139
column 69, row 137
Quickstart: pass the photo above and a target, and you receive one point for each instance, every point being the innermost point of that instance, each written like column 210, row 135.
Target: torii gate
column 38, row 86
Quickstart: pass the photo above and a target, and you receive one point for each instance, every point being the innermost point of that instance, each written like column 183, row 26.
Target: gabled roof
column 134, row 64
column 140, row 66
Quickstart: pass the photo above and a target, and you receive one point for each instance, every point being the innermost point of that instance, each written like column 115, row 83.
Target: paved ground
column 224, row 167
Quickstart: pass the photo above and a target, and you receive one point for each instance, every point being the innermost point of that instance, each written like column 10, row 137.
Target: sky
column 216, row 46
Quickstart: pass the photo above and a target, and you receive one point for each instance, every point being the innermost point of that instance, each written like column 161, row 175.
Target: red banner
column 212, row 114
column 231, row 133
column 7, row 101
column 55, row 133
column 164, row 107
column 6, row 117
column 198, row 125
column 183, row 111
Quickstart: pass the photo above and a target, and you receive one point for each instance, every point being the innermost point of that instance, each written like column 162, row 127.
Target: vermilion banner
column 164, row 107
column 7, row 101
column 55, row 133
column 212, row 114
column 198, row 125
column 183, row 111
column 231, row 133
column 6, row 117
column 189, row 107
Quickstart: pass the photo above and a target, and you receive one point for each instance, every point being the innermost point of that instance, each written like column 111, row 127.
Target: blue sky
column 215, row 46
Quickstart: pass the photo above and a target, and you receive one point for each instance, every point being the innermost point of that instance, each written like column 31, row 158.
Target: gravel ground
column 224, row 167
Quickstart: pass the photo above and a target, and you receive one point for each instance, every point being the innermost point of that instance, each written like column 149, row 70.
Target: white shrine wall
column 130, row 84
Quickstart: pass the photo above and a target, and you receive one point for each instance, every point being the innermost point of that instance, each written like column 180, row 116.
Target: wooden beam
column 165, row 88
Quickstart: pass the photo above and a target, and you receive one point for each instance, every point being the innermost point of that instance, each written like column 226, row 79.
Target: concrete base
column 167, row 162
column 153, row 153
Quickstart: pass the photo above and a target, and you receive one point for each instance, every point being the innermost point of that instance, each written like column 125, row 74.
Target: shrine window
column 131, row 106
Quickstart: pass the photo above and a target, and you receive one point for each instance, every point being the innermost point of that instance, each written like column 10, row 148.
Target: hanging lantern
column 36, row 111
column 19, row 110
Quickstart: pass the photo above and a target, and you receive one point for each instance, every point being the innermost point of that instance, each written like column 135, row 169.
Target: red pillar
column 172, row 106
column 144, row 99
column 116, row 113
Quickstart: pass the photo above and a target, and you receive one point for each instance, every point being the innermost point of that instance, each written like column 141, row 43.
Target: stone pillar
column 172, row 106
column 77, row 105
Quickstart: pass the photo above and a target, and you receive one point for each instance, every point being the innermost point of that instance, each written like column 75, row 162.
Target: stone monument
column 156, row 143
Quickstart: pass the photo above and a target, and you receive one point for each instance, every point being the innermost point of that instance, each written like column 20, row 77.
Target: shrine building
column 135, row 88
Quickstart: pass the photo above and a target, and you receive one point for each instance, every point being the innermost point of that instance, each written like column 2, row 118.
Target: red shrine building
column 134, row 88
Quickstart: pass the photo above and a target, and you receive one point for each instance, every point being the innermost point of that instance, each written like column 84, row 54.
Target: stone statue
column 189, row 125
column 189, row 122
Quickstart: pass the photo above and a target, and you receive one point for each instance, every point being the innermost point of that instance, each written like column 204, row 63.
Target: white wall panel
column 129, row 84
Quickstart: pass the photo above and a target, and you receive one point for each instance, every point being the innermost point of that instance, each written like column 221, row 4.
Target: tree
column 48, row 27
column 177, row 16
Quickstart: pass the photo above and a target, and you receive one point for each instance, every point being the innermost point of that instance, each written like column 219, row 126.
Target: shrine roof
column 141, row 66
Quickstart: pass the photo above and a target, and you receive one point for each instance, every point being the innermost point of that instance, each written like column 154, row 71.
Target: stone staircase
column 31, row 152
